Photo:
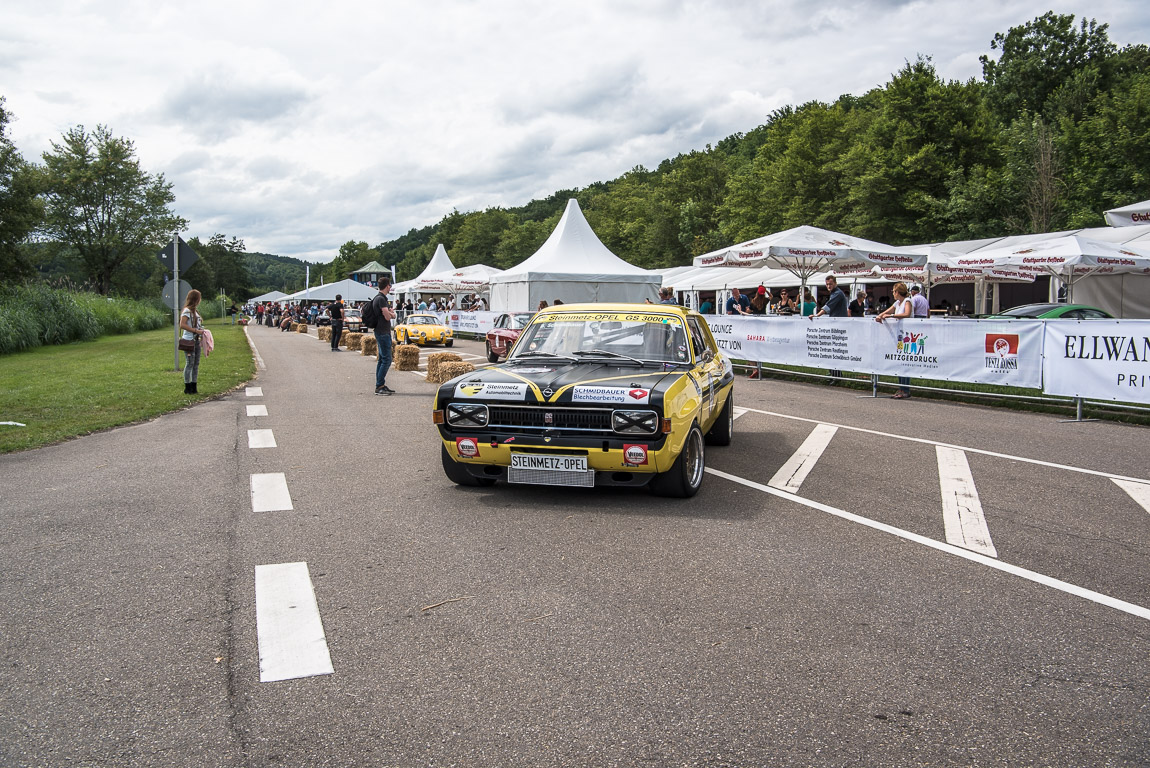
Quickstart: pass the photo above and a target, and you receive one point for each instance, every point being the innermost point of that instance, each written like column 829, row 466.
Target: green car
column 1051, row 312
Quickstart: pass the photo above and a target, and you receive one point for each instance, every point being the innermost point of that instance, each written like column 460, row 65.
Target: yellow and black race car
column 593, row 394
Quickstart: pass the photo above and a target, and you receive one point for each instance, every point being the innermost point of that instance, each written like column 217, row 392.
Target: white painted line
column 1140, row 492
column 257, row 410
column 288, row 625
column 255, row 391
column 961, row 509
column 791, row 475
column 950, row 549
column 270, row 493
column 261, row 438
column 252, row 344
column 924, row 441
column 739, row 411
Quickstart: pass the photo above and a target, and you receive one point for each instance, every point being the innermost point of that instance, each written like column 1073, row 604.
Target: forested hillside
column 1056, row 131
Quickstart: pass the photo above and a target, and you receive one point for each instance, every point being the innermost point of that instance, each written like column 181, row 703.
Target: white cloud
column 298, row 128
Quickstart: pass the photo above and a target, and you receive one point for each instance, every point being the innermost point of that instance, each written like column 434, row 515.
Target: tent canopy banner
column 1100, row 359
column 1129, row 215
column 976, row 351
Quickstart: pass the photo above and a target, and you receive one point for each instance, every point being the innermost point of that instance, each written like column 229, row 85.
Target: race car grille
column 543, row 418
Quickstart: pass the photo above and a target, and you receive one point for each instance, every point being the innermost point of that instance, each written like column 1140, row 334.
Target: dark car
column 501, row 338
column 1051, row 312
column 593, row 394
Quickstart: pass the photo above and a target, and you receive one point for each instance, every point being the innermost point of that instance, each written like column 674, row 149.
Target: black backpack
column 370, row 315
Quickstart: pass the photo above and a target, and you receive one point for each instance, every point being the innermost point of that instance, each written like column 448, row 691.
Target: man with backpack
column 377, row 315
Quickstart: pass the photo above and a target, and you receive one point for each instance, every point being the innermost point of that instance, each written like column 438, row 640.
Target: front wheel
column 491, row 356
column 449, row 342
column 685, row 476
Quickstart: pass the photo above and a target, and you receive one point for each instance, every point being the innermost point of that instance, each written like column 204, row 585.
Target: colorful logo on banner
column 910, row 347
column 909, row 343
column 1002, row 351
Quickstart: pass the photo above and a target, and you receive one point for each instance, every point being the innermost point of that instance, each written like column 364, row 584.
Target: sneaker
column 385, row 390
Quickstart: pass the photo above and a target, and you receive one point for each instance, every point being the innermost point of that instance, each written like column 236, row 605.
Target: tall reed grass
column 35, row 314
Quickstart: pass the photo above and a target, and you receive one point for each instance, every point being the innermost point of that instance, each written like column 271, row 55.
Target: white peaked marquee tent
column 350, row 290
column 440, row 263
column 574, row 266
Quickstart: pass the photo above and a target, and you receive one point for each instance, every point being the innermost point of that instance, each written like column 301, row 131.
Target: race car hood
column 565, row 383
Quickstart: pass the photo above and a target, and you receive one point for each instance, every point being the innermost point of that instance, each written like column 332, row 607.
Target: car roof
column 616, row 307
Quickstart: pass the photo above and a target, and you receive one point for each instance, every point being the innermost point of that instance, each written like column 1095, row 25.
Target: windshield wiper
column 605, row 353
column 540, row 354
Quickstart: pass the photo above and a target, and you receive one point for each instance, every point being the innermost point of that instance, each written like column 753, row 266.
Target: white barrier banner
column 977, row 351
column 1101, row 359
column 471, row 322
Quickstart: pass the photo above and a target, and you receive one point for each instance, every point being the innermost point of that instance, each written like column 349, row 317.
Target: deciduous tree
column 102, row 203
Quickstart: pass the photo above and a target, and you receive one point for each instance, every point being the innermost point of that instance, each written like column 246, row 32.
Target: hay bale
column 448, row 370
column 325, row 333
column 436, row 360
column 368, row 345
column 343, row 337
column 353, row 341
column 406, row 357
column 302, row 328
column 293, row 327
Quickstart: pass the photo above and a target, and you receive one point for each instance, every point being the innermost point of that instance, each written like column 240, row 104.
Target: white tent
column 1129, row 215
column 1069, row 258
column 269, row 296
column 574, row 266
column 349, row 289
column 474, row 277
column 439, row 263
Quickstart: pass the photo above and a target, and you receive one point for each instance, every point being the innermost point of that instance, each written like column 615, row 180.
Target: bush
column 35, row 314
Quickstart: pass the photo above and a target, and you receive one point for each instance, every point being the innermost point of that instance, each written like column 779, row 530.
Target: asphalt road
column 827, row 625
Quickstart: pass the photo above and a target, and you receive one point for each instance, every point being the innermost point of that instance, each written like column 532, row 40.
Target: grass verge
column 65, row 391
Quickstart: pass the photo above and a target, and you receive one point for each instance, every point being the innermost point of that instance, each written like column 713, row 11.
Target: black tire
column 491, row 356
column 683, row 479
column 459, row 475
column 724, row 427
column 449, row 342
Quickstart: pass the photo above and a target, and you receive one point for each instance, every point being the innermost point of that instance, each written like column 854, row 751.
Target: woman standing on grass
column 192, row 326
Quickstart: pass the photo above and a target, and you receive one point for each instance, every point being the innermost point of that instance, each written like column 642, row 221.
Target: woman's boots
column 190, row 389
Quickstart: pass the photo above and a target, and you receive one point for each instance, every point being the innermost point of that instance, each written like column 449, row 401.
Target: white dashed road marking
column 288, row 624
column 961, row 509
column 790, row 477
column 270, row 493
column 1047, row 581
column 261, row 438
column 1140, row 492
column 739, row 411
column 255, row 391
column 257, row 410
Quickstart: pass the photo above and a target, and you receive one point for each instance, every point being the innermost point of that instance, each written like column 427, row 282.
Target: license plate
column 548, row 463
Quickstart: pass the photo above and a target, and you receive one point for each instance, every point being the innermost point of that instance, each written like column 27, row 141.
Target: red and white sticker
column 634, row 455
column 467, row 447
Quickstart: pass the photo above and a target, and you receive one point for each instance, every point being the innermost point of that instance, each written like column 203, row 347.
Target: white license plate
column 549, row 463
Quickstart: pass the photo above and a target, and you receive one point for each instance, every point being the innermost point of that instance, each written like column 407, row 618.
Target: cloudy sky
column 300, row 126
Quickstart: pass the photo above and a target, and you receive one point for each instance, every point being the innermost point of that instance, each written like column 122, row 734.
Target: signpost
column 175, row 255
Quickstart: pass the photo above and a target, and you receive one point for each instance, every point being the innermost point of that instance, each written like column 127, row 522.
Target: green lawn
column 64, row 391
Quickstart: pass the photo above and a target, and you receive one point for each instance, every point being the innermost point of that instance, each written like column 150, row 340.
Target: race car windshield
column 650, row 338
